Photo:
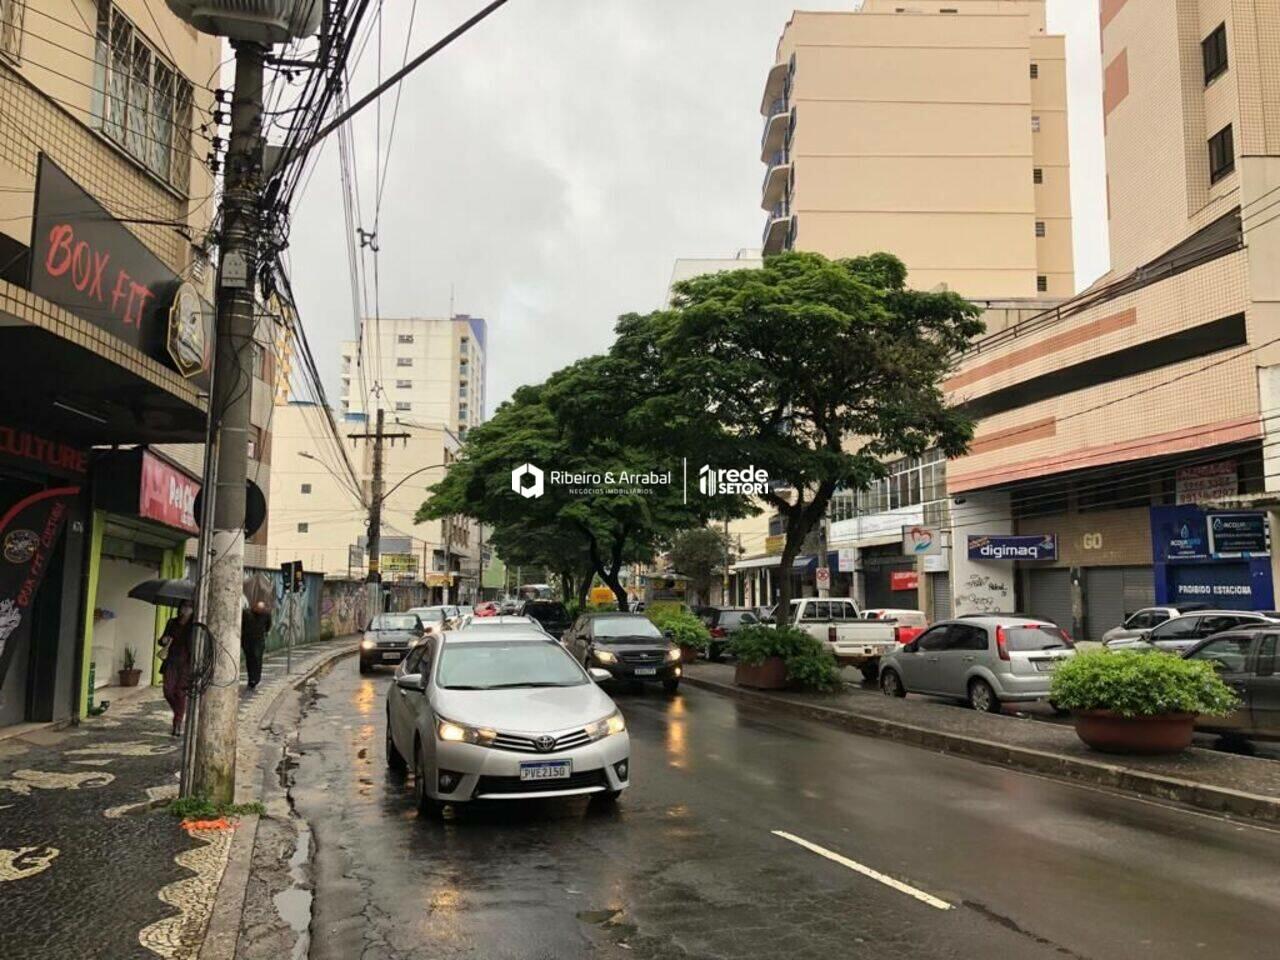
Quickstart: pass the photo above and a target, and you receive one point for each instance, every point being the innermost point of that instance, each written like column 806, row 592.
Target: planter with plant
column 682, row 627
column 1141, row 703
column 130, row 675
column 770, row 659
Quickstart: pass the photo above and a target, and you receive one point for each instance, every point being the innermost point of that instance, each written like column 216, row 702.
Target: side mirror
column 669, row 634
column 599, row 675
column 412, row 681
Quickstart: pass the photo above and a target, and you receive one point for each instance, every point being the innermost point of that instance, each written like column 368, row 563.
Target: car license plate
column 546, row 770
column 1046, row 666
column 392, row 655
column 646, row 671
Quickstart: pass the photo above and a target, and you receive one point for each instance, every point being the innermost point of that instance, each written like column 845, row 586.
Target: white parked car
column 434, row 619
column 854, row 640
column 503, row 715
column 1148, row 618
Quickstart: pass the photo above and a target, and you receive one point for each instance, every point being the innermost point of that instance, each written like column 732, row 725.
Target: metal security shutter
column 1139, row 588
column 940, row 593
column 1103, row 601
column 1048, row 595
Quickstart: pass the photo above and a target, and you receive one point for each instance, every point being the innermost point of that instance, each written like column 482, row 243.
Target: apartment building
column 1125, row 452
column 933, row 130
column 107, row 328
column 425, row 370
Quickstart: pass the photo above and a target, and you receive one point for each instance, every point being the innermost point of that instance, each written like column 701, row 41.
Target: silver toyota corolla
column 503, row 715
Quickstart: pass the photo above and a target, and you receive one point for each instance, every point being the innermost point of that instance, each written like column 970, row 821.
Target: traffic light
column 292, row 573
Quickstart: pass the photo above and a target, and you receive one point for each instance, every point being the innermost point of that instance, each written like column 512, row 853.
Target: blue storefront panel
column 1222, row 559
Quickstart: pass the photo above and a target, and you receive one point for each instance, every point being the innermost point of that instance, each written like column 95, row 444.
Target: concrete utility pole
column 376, row 496
column 214, row 772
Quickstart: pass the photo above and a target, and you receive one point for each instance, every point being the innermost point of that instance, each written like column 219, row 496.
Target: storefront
column 144, row 513
column 1221, row 558
column 889, row 578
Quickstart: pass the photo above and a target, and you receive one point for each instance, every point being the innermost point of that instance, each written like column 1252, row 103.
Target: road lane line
column 866, row 871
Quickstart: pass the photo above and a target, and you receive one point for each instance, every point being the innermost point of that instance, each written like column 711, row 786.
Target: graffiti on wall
column 980, row 593
column 343, row 605
column 297, row 612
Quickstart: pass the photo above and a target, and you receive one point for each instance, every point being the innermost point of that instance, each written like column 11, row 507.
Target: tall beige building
column 934, row 130
column 423, row 370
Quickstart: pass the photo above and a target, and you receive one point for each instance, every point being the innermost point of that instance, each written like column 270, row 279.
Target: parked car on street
column 1146, row 619
column 387, row 639
column 854, row 640
column 628, row 645
column 503, row 715
column 984, row 661
column 910, row 623
column 500, row 622
column 1246, row 661
column 551, row 614
column 1181, row 633
column 434, row 619
column 723, row 622
column 487, row 609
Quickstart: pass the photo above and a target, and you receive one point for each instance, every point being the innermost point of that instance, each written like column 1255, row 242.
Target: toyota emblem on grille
column 545, row 744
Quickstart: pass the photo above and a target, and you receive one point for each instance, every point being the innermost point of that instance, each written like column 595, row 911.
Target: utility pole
column 214, row 771
column 724, row 586
column 374, row 576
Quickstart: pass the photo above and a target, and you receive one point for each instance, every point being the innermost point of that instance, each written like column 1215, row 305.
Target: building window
column 1042, row 284
column 306, row 488
column 1039, row 228
column 404, row 384
column 404, row 361
column 911, row 481
column 1214, row 48
column 1037, row 175
column 11, row 28
column 304, row 527
column 403, row 406
column 404, row 338
column 1035, row 124
column 140, row 101
column 1222, row 154
column 462, row 390
column 1035, row 71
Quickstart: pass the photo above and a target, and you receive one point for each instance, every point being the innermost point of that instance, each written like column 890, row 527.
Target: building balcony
column 776, row 179
column 775, row 85
column 777, row 229
column 776, row 126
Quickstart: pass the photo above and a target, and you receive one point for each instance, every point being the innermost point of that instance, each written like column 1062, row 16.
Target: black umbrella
column 164, row 593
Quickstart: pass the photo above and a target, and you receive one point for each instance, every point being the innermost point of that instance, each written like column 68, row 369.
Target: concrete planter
column 1109, row 732
column 769, row 675
column 690, row 654
column 130, row 678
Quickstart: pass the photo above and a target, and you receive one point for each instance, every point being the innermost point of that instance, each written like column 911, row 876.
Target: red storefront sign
column 904, row 580
column 167, row 495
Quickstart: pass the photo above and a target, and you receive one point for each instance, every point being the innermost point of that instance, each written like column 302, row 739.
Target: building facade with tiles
column 106, row 333
column 1130, row 432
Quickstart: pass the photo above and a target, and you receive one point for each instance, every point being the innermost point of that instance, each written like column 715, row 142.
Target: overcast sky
column 552, row 164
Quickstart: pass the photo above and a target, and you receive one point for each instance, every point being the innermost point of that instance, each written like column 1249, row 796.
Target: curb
column 1219, row 800
column 222, row 935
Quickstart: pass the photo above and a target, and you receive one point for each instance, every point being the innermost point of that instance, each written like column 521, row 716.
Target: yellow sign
column 399, row 563
column 602, row 595
column 439, row 579
column 773, row 544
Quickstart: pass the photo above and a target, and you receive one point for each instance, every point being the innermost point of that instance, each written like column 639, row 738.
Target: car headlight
column 604, row 656
column 451, row 732
column 606, row 726
column 367, row 644
column 673, row 653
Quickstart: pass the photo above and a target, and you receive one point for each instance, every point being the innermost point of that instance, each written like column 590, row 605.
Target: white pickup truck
column 855, row 641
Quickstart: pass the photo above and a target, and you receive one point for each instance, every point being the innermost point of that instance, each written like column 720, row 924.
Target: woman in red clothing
column 176, row 667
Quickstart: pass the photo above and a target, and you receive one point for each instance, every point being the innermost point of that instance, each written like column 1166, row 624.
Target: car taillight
column 1066, row 638
column 900, row 634
column 718, row 632
column 1002, row 643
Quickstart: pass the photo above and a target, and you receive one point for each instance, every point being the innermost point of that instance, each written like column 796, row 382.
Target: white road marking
column 865, row 871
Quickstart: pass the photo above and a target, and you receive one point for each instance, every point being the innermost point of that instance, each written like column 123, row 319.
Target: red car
column 911, row 623
column 486, row 609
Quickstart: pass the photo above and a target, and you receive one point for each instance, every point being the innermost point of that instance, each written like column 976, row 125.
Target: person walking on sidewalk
column 254, row 626
column 176, row 668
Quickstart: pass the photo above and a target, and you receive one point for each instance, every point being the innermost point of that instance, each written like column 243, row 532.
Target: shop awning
column 772, row 560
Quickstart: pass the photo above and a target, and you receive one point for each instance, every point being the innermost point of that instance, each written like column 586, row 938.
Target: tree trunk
column 613, row 583
column 782, row 612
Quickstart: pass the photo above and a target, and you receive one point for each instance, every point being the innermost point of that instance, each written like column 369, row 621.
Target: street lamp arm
column 410, row 476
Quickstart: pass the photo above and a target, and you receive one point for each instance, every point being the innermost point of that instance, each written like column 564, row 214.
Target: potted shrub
column 1136, row 702
column 682, row 627
column 130, row 675
column 769, row 659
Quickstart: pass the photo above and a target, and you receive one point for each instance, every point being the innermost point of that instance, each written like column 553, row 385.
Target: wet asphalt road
column 688, row 865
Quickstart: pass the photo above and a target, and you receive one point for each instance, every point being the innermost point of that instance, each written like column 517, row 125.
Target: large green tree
column 700, row 555
column 817, row 370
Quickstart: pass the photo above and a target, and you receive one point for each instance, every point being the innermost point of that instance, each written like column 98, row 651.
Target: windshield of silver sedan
column 500, row 665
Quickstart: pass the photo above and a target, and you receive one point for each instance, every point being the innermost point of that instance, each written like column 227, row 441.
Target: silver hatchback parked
column 985, row 661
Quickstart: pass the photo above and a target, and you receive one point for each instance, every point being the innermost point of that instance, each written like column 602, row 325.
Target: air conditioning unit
column 256, row 21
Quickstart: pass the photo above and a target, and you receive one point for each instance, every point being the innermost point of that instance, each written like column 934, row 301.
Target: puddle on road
column 294, row 904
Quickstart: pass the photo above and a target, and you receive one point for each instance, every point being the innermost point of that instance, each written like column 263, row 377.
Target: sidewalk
column 1222, row 783
column 88, row 867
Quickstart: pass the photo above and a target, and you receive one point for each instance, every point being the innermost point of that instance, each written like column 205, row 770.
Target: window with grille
column 140, row 101
column 11, row 28
column 306, row 488
column 1035, row 71
column 404, row 361
column 403, row 406
column 1035, row 124
column 1037, row 175
column 1042, row 284
column 1222, row 154
column 303, row 527
column 1039, row 228
column 1214, row 48
column 404, row 384
column 404, row 338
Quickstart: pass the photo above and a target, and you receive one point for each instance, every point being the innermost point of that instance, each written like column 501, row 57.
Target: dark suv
column 551, row 614
column 628, row 645
column 723, row 622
